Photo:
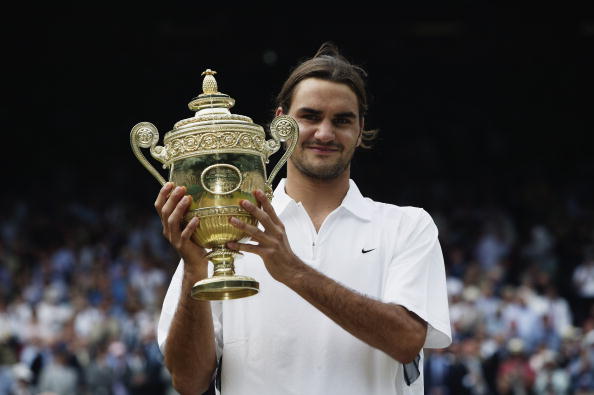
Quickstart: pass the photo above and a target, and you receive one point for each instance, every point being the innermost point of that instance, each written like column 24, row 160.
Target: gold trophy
column 221, row 159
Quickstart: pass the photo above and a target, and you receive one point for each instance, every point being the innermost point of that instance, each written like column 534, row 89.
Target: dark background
column 477, row 104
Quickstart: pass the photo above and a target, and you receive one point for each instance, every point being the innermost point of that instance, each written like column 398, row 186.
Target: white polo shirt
column 277, row 343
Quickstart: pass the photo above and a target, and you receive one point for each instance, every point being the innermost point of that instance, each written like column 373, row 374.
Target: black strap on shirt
column 411, row 370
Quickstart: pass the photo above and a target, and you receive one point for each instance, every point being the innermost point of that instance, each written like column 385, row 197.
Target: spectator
column 515, row 376
column 52, row 314
column 99, row 376
column 557, row 309
column 550, row 378
column 58, row 377
column 488, row 303
column 540, row 250
column 464, row 315
column 545, row 334
column 583, row 280
column 437, row 372
column 22, row 380
column 491, row 248
column 582, row 373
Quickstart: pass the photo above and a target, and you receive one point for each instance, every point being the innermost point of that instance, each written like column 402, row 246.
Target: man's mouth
column 322, row 149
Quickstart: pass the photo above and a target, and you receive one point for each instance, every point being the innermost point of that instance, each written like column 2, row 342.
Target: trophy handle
column 282, row 128
column 146, row 135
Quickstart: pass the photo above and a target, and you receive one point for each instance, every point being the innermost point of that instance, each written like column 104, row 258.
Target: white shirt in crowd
column 583, row 278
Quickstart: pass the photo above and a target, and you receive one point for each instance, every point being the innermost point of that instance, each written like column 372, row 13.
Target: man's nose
column 325, row 131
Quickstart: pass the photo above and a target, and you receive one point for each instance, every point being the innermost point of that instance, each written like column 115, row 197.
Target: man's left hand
column 273, row 245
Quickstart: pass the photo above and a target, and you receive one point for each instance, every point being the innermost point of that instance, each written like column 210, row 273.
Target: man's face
column 329, row 127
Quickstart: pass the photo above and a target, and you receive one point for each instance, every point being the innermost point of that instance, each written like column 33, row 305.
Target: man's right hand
column 171, row 205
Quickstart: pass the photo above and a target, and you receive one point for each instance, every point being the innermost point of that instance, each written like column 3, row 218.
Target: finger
column 162, row 196
column 259, row 214
column 267, row 206
column 254, row 232
column 176, row 217
column 253, row 248
column 172, row 202
column 190, row 228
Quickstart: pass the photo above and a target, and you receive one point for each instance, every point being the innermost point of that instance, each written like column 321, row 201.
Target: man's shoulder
column 403, row 222
column 408, row 214
column 381, row 211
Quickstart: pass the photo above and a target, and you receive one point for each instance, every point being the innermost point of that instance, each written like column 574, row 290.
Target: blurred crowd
column 80, row 293
column 521, row 298
column 81, row 287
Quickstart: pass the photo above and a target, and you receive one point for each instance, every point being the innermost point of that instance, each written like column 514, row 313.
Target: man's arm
column 190, row 348
column 388, row 327
column 189, row 351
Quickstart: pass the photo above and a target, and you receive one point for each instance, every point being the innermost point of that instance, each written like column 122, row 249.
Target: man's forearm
column 190, row 352
column 388, row 327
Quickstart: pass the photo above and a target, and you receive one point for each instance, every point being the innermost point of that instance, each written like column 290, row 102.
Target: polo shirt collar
column 281, row 200
column 353, row 202
column 356, row 203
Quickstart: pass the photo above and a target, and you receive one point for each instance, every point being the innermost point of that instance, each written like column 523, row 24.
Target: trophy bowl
column 221, row 159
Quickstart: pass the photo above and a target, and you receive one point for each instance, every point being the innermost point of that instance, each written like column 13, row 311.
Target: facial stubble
column 323, row 172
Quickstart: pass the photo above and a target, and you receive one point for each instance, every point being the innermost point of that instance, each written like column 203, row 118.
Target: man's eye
column 342, row 121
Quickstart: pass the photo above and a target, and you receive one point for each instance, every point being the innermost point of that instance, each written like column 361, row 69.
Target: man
column 351, row 289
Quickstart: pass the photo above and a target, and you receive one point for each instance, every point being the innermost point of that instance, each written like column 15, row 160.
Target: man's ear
column 279, row 111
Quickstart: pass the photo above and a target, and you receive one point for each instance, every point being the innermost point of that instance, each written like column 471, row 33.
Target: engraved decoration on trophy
column 221, row 159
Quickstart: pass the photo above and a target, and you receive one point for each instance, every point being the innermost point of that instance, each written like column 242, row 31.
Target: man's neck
column 318, row 197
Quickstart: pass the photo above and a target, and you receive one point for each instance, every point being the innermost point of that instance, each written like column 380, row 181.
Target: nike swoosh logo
column 364, row 251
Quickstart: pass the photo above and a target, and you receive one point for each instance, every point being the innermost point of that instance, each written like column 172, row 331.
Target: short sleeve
column 170, row 306
column 416, row 277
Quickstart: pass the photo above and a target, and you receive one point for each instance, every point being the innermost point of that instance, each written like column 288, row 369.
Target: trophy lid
column 212, row 106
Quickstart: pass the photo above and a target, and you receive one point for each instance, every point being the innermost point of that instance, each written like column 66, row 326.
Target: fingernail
column 186, row 200
column 234, row 220
column 247, row 204
column 167, row 186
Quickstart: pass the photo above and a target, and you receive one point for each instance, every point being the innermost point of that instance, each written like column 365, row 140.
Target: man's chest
column 347, row 250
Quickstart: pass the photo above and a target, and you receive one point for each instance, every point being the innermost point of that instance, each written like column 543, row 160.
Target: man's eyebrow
column 309, row 111
column 347, row 114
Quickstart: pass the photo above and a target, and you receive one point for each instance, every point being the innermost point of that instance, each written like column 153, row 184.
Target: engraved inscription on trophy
column 221, row 179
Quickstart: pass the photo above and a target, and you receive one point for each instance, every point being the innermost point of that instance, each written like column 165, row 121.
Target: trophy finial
column 209, row 85
column 210, row 98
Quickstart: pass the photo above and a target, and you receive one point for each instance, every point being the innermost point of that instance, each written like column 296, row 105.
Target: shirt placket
column 309, row 232
column 317, row 238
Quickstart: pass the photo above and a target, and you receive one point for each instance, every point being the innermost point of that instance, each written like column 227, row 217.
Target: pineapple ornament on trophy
column 221, row 159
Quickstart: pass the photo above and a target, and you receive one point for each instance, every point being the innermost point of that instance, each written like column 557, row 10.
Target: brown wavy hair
column 328, row 64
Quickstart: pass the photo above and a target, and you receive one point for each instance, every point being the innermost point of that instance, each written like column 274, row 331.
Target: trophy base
column 225, row 288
